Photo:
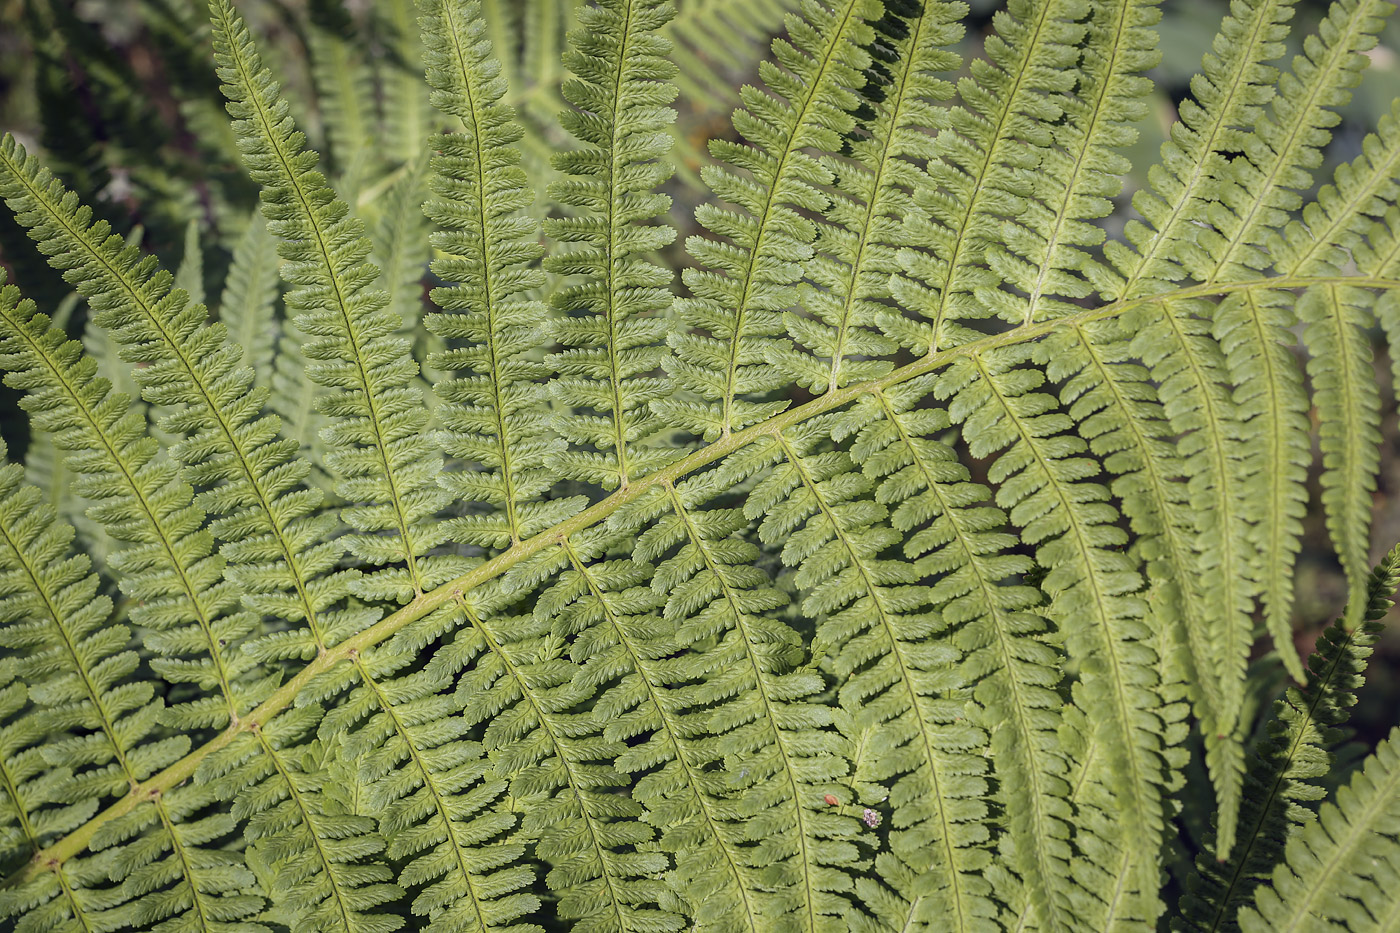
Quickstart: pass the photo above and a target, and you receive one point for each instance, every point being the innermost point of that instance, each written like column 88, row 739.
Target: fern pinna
column 872, row 573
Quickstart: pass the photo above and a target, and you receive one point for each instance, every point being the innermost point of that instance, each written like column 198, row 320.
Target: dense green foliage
column 900, row 565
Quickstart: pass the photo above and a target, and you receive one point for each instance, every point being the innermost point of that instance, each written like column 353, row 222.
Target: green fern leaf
column 386, row 465
column 493, row 415
column 1282, row 774
column 247, row 306
column 607, row 321
column 1326, row 882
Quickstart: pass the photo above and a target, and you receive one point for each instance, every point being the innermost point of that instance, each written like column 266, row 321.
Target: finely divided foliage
column 871, row 574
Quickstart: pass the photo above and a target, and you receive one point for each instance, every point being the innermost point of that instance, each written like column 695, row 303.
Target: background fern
column 441, row 546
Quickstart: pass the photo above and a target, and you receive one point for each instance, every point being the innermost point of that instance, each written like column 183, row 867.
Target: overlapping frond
column 438, row 802
column 1328, row 881
column 836, row 342
column 951, row 530
column 982, row 171
column 247, row 305
column 344, row 89
column 740, row 700
column 1281, row 779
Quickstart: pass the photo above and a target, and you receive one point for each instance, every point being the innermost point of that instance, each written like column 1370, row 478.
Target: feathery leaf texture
column 869, row 575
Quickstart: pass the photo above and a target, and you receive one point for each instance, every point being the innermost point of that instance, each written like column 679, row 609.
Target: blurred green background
column 120, row 99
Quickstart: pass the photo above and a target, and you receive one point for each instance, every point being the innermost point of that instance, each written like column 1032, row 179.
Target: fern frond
column 189, row 275
column 407, row 117
column 609, row 319
column 493, row 414
column 45, row 466
column 981, row 170
column 1045, row 485
column 555, row 755
column 1337, row 321
column 1049, row 225
column 750, row 710
column 1235, row 82
column 743, row 283
column 1182, row 357
column 1282, row 774
column 344, row 90
column 711, row 35
column 274, row 545
column 168, row 566
column 31, row 814
column 329, row 873
column 1326, row 881
column 386, row 463
column 1262, row 189
column 293, row 400
column 950, row 532
column 247, row 306
column 51, row 611
column 1254, row 330
column 875, row 625
column 837, row 342
column 438, row 802
column 401, row 246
